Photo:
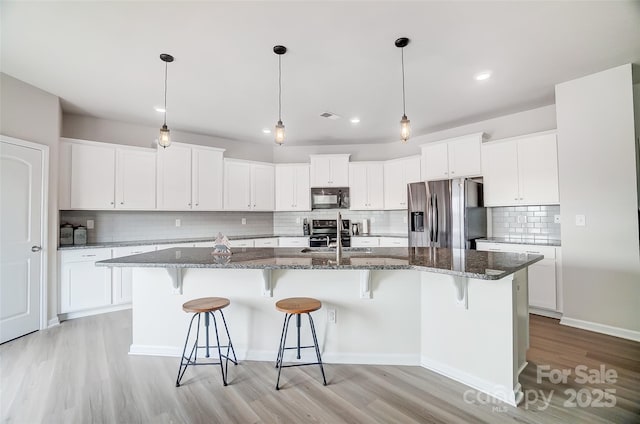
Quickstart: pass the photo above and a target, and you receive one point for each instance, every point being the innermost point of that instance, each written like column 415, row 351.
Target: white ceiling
column 101, row 59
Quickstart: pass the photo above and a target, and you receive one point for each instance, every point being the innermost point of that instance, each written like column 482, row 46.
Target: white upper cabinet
column 206, row 179
column 453, row 158
column 93, row 173
column 248, row 186
column 135, row 179
column 397, row 174
column 521, row 171
column 190, row 177
column 366, row 185
column 329, row 170
column 292, row 187
column 106, row 176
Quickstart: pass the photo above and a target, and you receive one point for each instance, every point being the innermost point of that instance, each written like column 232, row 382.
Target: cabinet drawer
column 365, row 241
column 82, row 255
column 241, row 243
column 549, row 252
column 394, row 242
column 266, row 242
column 293, row 242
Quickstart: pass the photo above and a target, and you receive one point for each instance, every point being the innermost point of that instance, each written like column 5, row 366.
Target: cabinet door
column 320, row 171
column 266, row 242
column 464, row 157
column 358, row 186
column 538, row 170
column 207, row 171
column 286, row 188
column 84, row 285
column 500, row 172
column 394, row 242
column 395, row 188
column 293, row 242
column 92, row 177
column 122, row 277
column 339, row 166
column 135, row 179
column 237, row 186
column 542, row 284
column 262, row 193
column 365, row 241
column 302, row 193
column 435, row 161
column 375, row 186
column 174, row 178
column 241, row 243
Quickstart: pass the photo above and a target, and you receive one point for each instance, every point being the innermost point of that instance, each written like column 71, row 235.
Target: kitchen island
column 461, row 313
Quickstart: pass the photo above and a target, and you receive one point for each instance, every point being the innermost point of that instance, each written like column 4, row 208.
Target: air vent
column 330, row 115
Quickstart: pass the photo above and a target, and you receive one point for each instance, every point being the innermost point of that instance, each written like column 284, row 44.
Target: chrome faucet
column 339, row 238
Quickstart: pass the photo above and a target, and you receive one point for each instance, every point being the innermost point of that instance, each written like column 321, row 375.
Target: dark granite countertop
column 555, row 243
column 466, row 263
column 112, row 244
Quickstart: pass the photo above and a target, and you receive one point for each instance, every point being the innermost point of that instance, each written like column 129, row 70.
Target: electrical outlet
column 372, row 220
column 581, row 221
column 178, row 222
column 90, row 224
column 331, row 315
column 244, row 221
column 522, row 219
column 556, row 219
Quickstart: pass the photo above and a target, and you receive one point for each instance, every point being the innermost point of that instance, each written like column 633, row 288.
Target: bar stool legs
column 283, row 343
column 192, row 359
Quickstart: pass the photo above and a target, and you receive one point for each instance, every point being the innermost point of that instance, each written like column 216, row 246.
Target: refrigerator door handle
column 436, row 217
column 430, row 208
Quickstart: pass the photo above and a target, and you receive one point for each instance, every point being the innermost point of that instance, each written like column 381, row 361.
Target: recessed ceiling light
column 485, row 75
column 160, row 109
column 355, row 120
column 266, row 130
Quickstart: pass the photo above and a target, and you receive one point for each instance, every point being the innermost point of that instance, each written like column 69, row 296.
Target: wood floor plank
column 81, row 372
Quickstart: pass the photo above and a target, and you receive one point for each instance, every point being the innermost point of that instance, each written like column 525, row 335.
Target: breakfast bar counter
column 460, row 313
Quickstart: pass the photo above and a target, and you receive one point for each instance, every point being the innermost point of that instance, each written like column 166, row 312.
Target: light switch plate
column 580, row 221
column 178, row 222
column 90, row 224
column 244, row 221
column 372, row 220
column 522, row 219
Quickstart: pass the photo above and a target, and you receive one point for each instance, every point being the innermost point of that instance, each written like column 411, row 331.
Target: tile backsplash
column 134, row 225
column 380, row 222
column 526, row 223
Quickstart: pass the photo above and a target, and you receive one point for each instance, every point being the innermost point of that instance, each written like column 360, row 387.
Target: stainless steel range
column 324, row 232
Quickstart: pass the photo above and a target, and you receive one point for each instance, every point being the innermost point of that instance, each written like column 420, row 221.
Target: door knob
column 36, row 248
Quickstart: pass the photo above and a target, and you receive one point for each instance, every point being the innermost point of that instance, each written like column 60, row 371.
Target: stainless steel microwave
column 330, row 198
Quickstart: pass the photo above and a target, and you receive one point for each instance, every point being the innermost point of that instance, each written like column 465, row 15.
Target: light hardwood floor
column 80, row 372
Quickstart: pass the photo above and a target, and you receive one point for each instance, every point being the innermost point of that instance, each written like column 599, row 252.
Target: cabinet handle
column 453, row 172
column 189, row 204
column 197, row 204
column 111, row 203
column 122, row 203
column 534, row 252
column 515, row 198
column 88, row 256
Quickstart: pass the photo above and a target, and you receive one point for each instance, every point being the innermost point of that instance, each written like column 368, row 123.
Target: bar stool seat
column 207, row 306
column 298, row 306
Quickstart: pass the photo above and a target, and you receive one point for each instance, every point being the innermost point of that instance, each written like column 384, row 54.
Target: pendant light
column 279, row 50
column 165, row 137
column 405, row 124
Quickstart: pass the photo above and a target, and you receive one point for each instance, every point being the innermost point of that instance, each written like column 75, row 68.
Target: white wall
column 96, row 129
column 530, row 121
column 30, row 114
column 597, row 173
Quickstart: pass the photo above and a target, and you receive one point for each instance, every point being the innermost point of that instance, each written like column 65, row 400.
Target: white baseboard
column 89, row 312
column 545, row 312
column 601, row 328
column 266, row 356
column 53, row 322
column 511, row 396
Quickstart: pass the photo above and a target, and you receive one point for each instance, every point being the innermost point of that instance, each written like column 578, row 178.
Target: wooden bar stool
column 207, row 306
column 297, row 306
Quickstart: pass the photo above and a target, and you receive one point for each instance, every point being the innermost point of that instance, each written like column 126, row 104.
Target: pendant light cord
column 165, row 93
column 404, row 112
column 279, row 87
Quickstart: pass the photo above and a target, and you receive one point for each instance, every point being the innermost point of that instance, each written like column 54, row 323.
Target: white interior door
column 21, row 225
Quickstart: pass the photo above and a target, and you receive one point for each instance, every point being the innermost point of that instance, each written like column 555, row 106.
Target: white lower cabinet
column 242, row 243
column 122, row 277
column 293, row 241
column 82, row 284
column 543, row 276
column 394, row 242
column 365, row 241
column 266, row 242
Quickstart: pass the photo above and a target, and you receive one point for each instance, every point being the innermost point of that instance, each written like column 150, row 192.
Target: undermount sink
column 333, row 249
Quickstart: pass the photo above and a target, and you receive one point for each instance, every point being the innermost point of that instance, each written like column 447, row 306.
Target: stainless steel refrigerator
column 446, row 213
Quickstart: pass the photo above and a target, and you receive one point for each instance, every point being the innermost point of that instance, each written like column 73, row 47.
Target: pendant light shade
column 405, row 124
column 279, row 132
column 164, row 139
